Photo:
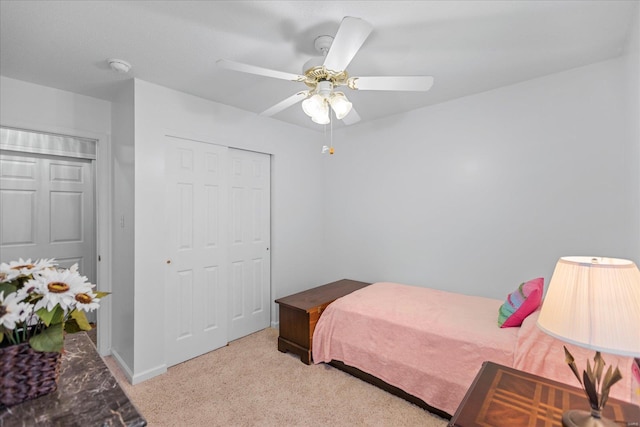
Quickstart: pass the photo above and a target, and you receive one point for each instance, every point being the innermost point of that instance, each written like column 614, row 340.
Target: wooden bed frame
column 388, row 388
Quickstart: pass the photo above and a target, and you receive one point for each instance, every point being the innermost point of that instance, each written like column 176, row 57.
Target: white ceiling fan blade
column 351, row 118
column 348, row 40
column 252, row 69
column 282, row 105
column 408, row 83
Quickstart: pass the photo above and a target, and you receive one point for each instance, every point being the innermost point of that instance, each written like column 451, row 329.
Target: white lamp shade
column 594, row 303
column 340, row 104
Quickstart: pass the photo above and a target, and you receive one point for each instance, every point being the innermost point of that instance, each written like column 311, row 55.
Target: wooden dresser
column 300, row 312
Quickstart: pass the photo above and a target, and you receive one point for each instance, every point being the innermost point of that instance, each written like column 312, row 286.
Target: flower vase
column 26, row 373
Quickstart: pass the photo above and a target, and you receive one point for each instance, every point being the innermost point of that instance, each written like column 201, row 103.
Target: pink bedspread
column 431, row 343
column 427, row 342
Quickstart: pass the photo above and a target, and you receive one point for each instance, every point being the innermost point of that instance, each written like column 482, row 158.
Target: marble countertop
column 87, row 394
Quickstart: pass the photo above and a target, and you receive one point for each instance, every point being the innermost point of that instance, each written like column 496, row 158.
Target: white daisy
column 13, row 310
column 7, row 274
column 59, row 287
column 22, row 268
column 87, row 301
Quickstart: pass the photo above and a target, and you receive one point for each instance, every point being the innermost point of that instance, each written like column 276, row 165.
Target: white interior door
column 47, row 207
column 249, row 242
column 196, row 285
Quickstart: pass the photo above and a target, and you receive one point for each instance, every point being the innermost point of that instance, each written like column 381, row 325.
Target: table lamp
column 594, row 302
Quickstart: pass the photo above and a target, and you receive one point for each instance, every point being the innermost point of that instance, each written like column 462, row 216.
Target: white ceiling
column 467, row 46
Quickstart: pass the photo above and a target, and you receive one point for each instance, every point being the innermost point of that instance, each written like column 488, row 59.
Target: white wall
column 632, row 81
column 40, row 108
column 37, row 107
column 480, row 193
column 296, row 237
column 123, row 290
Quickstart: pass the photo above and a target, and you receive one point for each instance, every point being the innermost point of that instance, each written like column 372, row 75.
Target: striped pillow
column 521, row 303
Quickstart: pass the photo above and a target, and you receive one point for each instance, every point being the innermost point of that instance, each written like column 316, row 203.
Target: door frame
column 103, row 216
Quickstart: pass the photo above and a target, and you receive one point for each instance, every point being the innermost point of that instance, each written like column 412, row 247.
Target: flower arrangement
column 39, row 302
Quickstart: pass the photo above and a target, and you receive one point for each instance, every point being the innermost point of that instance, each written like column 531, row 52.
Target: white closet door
column 249, row 242
column 47, row 210
column 196, row 283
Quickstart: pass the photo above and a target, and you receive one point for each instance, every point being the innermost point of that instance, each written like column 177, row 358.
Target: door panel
column 47, row 207
column 249, row 245
column 195, row 292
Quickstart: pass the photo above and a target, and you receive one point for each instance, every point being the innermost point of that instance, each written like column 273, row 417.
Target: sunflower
column 60, row 287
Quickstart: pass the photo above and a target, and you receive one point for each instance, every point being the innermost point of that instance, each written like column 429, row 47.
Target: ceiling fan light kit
column 340, row 104
column 317, row 108
column 313, row 106
column 322, row 75
column 317, row 105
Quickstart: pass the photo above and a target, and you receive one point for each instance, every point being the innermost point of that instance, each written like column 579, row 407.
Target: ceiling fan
column 325, row 74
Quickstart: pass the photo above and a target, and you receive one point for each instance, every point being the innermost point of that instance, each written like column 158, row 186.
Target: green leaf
column 10, row 335
column 80, row 320
column 51, row 317
column 102, row 294
column 71, row 326
column 7, row 288
column 51, row 339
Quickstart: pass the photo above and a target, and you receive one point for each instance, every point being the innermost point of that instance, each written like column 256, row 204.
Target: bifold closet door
column 218, row 283
column 196, row 282
column 249, row 242
column 47, row 210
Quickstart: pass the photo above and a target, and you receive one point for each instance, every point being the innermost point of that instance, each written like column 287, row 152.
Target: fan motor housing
column 314, row 69
column 317, row 74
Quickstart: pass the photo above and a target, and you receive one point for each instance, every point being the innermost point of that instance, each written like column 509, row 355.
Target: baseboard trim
column 122, row 365
column 140, row 377
column 148, row 374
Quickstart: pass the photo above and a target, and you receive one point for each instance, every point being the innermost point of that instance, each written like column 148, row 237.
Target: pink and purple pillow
column 521, row 303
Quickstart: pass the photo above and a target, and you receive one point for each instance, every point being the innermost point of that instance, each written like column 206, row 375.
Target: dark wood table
column 300, row 312
column 87, row 395
column 505, row 397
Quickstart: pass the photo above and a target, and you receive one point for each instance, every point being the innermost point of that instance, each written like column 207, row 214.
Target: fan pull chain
column 331, row 151
column 328, row 149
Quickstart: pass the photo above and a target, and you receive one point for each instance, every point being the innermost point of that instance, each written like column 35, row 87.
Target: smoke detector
column 119, row 65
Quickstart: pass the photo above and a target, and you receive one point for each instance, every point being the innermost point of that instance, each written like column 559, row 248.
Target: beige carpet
column 250, row 383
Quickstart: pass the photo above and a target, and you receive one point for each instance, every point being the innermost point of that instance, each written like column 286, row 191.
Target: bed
column 427, row 345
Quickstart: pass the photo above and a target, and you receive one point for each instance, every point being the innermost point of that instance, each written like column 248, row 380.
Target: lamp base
column 578, row 418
